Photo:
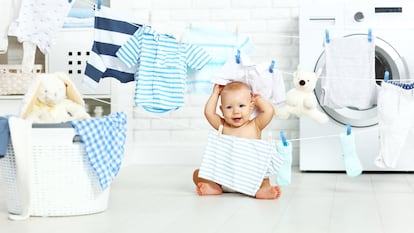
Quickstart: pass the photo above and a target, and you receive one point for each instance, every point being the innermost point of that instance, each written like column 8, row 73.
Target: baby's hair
column 236, row 85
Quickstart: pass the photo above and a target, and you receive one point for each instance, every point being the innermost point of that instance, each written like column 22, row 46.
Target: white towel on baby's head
column 350, row 73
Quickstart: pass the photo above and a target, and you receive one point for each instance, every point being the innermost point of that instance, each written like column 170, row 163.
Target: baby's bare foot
column 208, row 189
column 270, row 192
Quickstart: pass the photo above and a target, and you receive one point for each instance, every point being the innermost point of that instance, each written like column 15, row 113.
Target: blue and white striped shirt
column 163, row 63
column 111, row 30
column 239, row 163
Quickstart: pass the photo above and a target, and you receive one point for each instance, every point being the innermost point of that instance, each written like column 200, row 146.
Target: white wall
column 180, row 136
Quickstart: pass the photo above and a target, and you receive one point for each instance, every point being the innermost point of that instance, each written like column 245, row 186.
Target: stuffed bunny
column 53, row 99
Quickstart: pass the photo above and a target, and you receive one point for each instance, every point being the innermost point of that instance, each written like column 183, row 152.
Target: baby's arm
column 210, row 108
column 266, row 111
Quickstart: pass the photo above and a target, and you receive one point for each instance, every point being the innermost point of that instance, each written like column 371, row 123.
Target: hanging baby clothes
column 221, row 45
column 104, row 139
column 37, row 24
column 273, row 87
column 349, row 73
column 353, row 166
column 112, row 30
column 238, row 163
column 284, row 176
column 241, row 70
column 163, row 62
column 8, row 13
column 395, row 120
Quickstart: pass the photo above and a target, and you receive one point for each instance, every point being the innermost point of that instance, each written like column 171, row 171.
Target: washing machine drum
column 386, row 59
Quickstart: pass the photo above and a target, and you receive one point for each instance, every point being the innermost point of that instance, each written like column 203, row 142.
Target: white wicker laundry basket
column 62, row 181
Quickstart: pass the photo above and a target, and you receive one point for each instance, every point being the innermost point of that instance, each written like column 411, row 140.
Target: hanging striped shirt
column 238, row 163
column 163, row 63
column 111, row 30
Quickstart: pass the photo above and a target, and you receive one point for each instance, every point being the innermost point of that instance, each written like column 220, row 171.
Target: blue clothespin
column 99, row 4
column 272, row 66
column 386, row 76
column 327, row 39
column 282, row 136
column 70, row 1
column 369, row 35
column 348, row 129
column 238, row 56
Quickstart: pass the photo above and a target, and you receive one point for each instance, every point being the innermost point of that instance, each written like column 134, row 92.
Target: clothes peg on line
column 348, row 129
column 386, row 76
column 238, row 56
column 369, row 35
column 283, row 137
column 272, row 66
column 70, row 1
column 99, row 4
column 327, row 39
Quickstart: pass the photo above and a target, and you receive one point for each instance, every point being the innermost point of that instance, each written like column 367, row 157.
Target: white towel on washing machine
column 350, row 73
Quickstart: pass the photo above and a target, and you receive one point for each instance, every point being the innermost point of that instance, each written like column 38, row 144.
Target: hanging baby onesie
column 163, row 62
column 8, row 13
column 353, row 166
column 221, row 45
column 349, row 73
column 37, row 24
column 238, row 163
column 284, row 176
column 395, row 120
column 112, row 29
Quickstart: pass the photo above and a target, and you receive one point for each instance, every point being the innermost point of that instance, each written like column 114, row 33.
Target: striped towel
column 111, row 30
column 104, row 141
column 238, row 163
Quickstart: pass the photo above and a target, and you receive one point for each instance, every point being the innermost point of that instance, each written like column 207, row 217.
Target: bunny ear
column 72, row 92
column 30, row 98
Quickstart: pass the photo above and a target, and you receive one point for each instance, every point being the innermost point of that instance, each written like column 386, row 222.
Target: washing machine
column 392, row 26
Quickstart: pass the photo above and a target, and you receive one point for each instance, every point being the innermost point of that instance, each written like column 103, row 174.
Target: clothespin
column 327, row 39
column 220, row 130
column 238, row 56
column 369, row 35
column 272, row 66
column 348, row 129
column 70, row 1
column 282, row 136
column 386, row 76
column 99, row 4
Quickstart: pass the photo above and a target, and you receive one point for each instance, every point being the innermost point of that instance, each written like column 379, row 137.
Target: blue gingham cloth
column 104, row 141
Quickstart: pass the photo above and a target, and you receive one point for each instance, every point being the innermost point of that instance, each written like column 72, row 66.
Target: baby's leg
column 266, row 191
column 205, row 187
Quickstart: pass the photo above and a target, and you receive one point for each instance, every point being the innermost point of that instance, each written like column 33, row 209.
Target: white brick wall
column 180, row 137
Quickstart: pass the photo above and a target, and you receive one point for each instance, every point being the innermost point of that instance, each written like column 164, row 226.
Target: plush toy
column 301, row 100
column 53, row 98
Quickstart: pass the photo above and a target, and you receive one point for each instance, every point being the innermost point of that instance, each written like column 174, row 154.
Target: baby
column 237, row 105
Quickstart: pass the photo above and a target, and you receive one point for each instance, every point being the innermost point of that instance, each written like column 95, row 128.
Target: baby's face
column 236, row 107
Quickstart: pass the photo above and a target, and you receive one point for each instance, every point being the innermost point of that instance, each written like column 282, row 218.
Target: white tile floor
column 159, row 198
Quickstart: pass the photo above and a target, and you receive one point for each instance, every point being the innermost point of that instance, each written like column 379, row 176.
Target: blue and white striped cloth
column 163, row 63
column 221, row 45
column 238, row 163
column 111, row 30
column 104, row 140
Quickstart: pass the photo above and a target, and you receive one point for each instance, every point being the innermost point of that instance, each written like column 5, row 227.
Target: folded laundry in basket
column 104, row 141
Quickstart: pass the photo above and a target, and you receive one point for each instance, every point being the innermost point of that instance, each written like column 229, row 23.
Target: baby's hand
column 217, row 89
column 256, row 96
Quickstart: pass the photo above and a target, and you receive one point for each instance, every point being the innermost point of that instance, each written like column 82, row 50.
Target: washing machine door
column 386, row 59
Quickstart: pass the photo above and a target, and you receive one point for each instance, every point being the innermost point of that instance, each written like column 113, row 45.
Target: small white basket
column 62, row 181
column 14, row 82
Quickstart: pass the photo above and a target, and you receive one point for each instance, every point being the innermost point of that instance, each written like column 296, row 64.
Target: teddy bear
column 53, row 98
column 301, row 100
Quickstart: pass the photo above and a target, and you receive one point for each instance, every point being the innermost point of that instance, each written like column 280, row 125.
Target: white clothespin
column 220, row 130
